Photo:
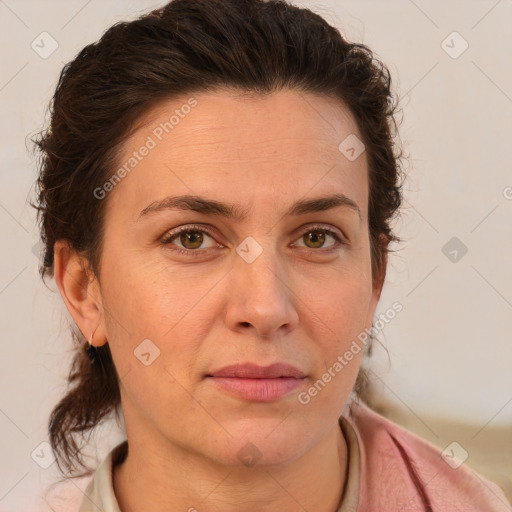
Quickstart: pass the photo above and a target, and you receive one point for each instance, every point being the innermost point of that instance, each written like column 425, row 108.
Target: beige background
column 448, row 376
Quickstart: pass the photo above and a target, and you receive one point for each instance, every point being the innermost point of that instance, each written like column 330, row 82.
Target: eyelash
column 169, row 237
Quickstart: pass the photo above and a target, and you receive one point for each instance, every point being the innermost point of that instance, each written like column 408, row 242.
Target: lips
column 254, row 383
column 253, row 371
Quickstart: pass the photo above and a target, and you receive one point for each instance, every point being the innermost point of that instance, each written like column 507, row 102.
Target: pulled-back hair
column 186, row 47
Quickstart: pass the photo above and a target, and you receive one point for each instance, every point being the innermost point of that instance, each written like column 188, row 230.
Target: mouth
column 253, row 371
column 258, row 383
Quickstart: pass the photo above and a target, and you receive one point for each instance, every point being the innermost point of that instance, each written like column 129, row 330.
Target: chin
column 259, row 444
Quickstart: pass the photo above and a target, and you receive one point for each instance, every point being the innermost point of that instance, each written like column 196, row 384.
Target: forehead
column 232, row 143
column 306, row 116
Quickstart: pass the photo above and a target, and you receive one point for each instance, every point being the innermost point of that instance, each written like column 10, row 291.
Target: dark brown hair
column 185, row 47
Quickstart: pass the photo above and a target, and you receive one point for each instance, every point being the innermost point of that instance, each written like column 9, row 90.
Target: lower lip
column 258, row 390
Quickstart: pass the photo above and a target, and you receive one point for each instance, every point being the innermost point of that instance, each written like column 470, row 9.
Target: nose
column 261, row 297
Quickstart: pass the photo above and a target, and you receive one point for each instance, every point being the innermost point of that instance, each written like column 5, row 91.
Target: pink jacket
column 399, row 471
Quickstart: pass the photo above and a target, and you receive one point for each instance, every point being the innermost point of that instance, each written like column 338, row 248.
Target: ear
column 80, row 291
column 378, row 281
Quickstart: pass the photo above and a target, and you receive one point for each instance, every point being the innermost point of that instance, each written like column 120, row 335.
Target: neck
column 147, row 481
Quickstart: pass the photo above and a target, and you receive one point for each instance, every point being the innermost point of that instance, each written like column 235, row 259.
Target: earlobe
column 79, row 289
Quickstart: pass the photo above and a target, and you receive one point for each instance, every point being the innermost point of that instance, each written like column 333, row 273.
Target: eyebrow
column 235, row 212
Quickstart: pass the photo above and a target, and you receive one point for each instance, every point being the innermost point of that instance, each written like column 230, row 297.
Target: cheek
column 146, row 294
column 152, row 342
column 339, row 304
column 337, row 330
column 158, row 311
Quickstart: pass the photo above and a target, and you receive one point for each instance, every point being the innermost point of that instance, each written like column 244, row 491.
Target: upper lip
column 254, row 371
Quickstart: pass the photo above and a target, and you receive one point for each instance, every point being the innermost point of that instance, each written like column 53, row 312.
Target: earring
column 92, row 334
column 91, row 349
column 369, row 344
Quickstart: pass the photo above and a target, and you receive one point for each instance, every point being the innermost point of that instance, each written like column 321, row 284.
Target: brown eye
column 191, row 239
column 315, row 238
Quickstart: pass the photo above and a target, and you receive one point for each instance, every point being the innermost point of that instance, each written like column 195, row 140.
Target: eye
column 316, row 236
column 191, row 238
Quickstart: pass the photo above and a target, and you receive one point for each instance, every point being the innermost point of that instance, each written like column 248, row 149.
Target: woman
column 216, row 190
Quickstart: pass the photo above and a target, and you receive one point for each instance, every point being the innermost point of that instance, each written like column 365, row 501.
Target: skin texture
column 301, row 301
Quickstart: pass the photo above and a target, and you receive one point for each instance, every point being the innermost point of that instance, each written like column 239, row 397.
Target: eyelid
column 335, row 232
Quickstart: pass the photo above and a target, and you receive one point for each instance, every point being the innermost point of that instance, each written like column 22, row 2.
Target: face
column 190, row 287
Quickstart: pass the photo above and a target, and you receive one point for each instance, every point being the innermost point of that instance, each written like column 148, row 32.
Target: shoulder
column 86, row 494
column 399, row 468
column 100, row 491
